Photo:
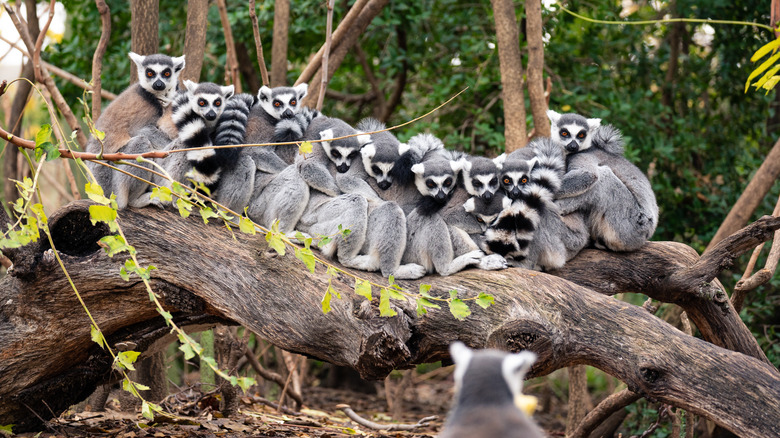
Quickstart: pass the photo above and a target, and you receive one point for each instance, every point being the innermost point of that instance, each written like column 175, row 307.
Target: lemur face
column 379, row 163
column 573, row 131
column 437, row 178
column 158, row 74
column 343, row 152
column 208, row 100
column 486, row 212
column 282, row 102
column 515, row 176
column 480, row 177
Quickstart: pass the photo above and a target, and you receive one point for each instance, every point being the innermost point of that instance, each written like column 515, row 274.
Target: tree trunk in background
column 351, row 35
column 754, row 193
column 279, row 47
column 533, row 33
column 579, row 399
column 145, row 38
column 195, row 39
column 14, row 123
column 511, row 68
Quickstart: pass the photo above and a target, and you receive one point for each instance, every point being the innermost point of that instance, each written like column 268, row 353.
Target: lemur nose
column 343, row 167
column 384, row 185
column 158, row 85
column 287, row 114
column 572, row 146
column 211, row 115
column 487, row 196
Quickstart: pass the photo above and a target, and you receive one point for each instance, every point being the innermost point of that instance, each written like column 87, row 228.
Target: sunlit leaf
column 97, row 338
column 384, row 304
column 305, row 148
column 766, row 48
column 363, row 288
column 307, row 257
column 484, row 300
column 246, row 226
column 459, row 309
column 162, row 193
column 326, row 300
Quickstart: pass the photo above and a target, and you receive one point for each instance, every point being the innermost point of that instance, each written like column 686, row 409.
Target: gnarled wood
column 203, row 275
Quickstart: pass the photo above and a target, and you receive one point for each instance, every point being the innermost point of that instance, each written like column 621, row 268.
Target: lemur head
column 487, row 212
column 380, row 160
column 572, row 131
column 515, row 175
column 282, row 102
column 343, row 151
column 437, row 178
column 207, row 99
column 480, row 177
column 158, row 74
column 489, row 377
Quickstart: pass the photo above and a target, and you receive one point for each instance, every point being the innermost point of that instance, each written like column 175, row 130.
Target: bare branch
column 607, row 407
column 749, row 282
column 97, row 59
column 258, row 43
column 326, row 54
column 387, row 427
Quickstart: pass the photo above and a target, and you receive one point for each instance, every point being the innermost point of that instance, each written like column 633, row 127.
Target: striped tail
column 549, row 167
column 231, row 126
column 292, row 129
column 609, row 138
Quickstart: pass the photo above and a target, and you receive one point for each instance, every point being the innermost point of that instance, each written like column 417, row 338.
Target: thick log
column 48, row 361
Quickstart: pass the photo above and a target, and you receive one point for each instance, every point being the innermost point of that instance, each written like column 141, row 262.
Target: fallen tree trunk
column 47, row 360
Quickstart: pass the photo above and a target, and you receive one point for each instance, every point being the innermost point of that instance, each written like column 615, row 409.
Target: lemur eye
column 524, row 180
column 564, row 133
column 352, row 155
column 581, row 135
column 277, row 104
column 149, row 73
column 167, row 73
column 447, row 182
column 218, row 103
column 493, row 182
column 477, row 184
column 293, row 102
column 336, row 154
column 376, row 170
column 507, row 180
column 201, row 102
column 479, row 219
column 430, row 184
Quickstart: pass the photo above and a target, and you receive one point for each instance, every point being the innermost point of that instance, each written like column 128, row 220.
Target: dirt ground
column 195, row 414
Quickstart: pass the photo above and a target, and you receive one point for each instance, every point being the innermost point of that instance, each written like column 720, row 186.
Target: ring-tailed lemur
column 531, row 177
column 134, row 114
column 614, row 196
column 488, row 386
column 195, row 113
column 480, row 177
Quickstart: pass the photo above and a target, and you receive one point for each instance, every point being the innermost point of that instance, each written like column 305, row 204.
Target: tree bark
column 48, row 361
column 144, row 30
column 97, row 58
column 511, row 67
column 279, row 45
column 350, row 37
column 579, row 397
column 751, row 197
column 231, row 69
column 533, row 33
column 195, row 39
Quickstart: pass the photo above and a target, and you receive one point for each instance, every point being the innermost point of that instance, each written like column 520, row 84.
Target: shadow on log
column 48, row 362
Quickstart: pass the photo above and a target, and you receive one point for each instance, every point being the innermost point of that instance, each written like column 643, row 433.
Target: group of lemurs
column 412, row 208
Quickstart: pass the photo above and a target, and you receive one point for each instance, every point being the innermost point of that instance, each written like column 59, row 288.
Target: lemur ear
column 514, row 368
column 531, row 163
column 368, row 151
column 553, row 116
column 403, row 148
column 301, row 90
column 364, row 139
column 178, row 63
column 326, row 134
column 418, row 169
column 227, row 91
column 466, row 166
column 190, row 86
column 461, row 354
column 264, row 93
column 469, row 205
column 137, row 59
column 500, row 160
column 594, row 123
column 506, row 202
column 457, row 166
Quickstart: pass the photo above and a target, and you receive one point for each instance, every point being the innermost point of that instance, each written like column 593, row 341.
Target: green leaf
column 187, row 350
column 246, row 382
column 96, row 336
column 48, row 149
column 761, row 68
column 43, row 135
column 7, row 428
column 764, row 79
column 96, row 132
column 384, row 304
column 766, row 48
column 113, row 245
column 95, row 193
column 453, row 294
column 246, row 226
column 484, row 300
column 127, row 358
column 146, row 410
column 307, row 257
column 37, row 209
column 770, row 84
column 424, row 289
column 275, row 242
column 363, row 288
column 103, row 213
column 305, row 148
column 324, row 241
column 459, row 309
column 326, row 300
column 207, row 213
column 162, row 193
column 184, row 207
